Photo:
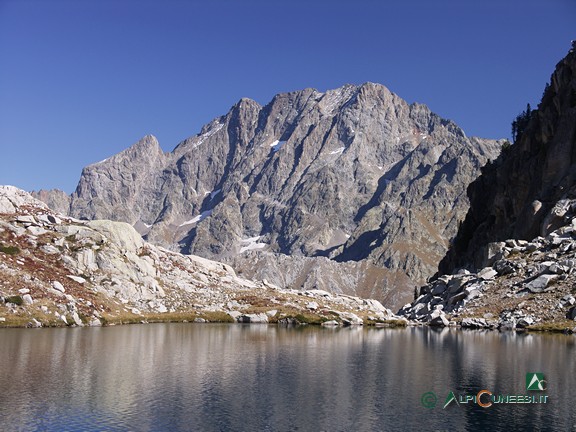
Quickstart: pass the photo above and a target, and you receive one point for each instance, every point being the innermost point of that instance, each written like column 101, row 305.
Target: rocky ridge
column 526, row 284
column 519, row 230
column 354, row 175
column 515, row 194
column 58, row 270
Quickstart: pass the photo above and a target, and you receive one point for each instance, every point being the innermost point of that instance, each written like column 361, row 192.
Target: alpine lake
column 255, row 377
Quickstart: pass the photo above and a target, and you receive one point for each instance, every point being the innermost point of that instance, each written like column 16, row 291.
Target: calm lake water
column 208, row 377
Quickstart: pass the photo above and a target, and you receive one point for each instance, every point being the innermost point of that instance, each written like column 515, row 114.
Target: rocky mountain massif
column 520, row 229
column 57, row 270
column 353, row 190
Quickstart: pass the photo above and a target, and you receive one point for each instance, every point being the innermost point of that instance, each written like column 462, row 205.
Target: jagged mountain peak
column 354, row 173
column 146, row 146
column 130, row 170
column 246, row 103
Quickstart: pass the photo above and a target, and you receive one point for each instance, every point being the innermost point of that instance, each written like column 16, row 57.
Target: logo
column 485, row 398
column 486, row 404
column 429, row 400
column 449, row 399
column 535, row 381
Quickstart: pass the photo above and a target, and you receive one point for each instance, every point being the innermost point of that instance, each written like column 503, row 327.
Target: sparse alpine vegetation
column 9, row 250
column 67, row 272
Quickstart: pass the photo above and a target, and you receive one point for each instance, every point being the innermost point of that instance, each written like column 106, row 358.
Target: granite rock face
column 353, row 174
column 14, row 198
column 358, row 278
column 512, row 263
column 57, row 270
column 525, row 283
column 526, row 191
column 55, row 199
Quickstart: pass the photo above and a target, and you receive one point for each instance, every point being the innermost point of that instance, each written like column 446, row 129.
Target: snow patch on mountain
column 277, row 145
column 251, row 244
column 198, row 218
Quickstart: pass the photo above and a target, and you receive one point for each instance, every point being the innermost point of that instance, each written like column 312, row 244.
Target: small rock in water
column 95, row 322
column 349, row 318
column 525, row 322
column 77, row 319
column 34, row 323
column 438, row 318
column 253, row 318
column 507, row 325
column 331, row 323
column 288, row 321
column 474, row 323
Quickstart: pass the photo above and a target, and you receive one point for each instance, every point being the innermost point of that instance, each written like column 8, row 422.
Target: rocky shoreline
column 524, row 285
column 512, row 263
column 60, row 271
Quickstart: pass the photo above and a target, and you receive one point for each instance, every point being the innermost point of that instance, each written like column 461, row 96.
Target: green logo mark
column 535, row 381
column 429, row 400
column 451, row 397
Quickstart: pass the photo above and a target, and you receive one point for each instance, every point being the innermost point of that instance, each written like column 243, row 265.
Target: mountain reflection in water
column 210, row 377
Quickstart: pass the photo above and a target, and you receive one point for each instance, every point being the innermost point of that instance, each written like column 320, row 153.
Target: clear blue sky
column 81, row 80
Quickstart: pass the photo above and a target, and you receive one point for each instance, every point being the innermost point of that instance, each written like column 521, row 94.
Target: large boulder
column 12, row 198
column 123, row 235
